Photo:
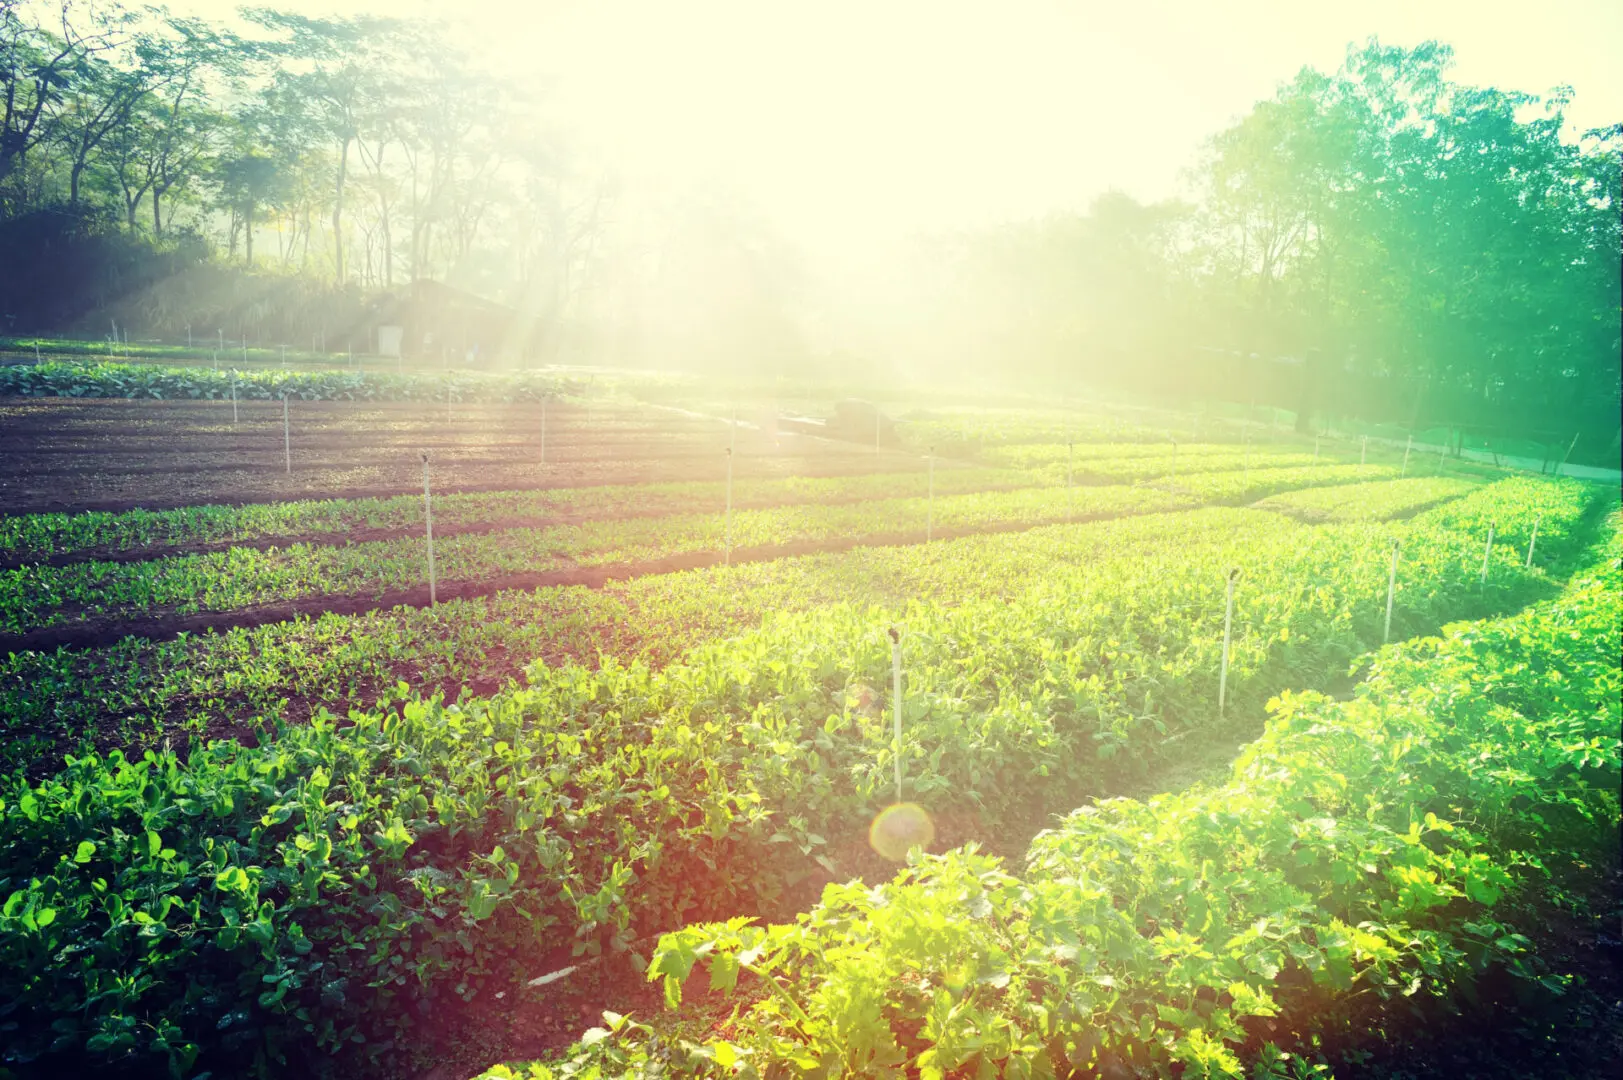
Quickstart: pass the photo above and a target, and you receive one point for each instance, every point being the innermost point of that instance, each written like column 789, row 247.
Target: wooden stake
column 728, row 558
column 428, row 530
column 287, row 435
column 1531, row 540
column 1391, row 592
column 1565, row 456
column 1487, row 551
column 896, row 698
column 929, row 515
column 1228, row 630
column 1070, row 453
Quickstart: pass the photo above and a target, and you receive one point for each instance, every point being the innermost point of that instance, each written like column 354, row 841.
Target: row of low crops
column 40, row 596
column 325, row 888
column 38, row 537
column 64, row 379
column 958, row 433
column 1362, row 502
column 141, row 692
column 1365, row 855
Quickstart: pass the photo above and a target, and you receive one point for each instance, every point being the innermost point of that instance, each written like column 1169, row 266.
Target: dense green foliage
column 325, row 886
column 1357, row 859
column 1381, row 241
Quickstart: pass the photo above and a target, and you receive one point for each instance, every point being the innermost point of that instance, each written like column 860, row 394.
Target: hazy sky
column 838, row 119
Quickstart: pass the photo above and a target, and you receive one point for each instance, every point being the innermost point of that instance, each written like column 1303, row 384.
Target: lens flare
column 899, row 828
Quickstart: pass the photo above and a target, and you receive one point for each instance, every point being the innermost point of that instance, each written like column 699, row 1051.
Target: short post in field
column 216, row 361
column 245, row 349
column 1407, row 446
column 1391, row 592
column 188, row 335
column 287, row 435
column 284, row 356
column 1531, row 540
column 1570, row 447
column 1070, row 453
column 36, row 352
column 1442, row 454
column 727, row 558
column 221, row 331
column 428, row 531
column 1486, row 552
column 929, row 513
column 1363, row 451
column 896, row 698
column 1228, row 634
column 543, row 428
column 233, row 399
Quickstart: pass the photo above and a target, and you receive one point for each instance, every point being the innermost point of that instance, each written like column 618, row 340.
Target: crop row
column 1357, row 862
column 1224, row 459
column 141, row 692
column 1362, row 502
column 1088, row 456
column 41, row 596
column 325, row 888
column 34, row 597
column 63, row 379
column 26, row 537
column 976, row 431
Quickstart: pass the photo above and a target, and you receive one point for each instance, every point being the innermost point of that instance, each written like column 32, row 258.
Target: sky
column 845, row 124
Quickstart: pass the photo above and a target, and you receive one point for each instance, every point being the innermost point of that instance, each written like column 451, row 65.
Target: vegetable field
column 294, row 784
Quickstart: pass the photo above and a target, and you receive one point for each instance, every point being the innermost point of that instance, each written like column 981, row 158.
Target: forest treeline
column 1380, row 241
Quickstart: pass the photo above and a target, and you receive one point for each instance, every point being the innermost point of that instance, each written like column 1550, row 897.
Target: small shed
column 433, row 319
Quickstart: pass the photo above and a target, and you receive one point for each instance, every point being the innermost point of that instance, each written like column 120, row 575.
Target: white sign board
column 389, row 340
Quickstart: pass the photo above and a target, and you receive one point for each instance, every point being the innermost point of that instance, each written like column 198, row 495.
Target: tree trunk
column 248, row 234
column 338, row 212
column 157, row 217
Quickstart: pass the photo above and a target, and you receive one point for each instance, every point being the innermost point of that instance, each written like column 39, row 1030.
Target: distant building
column 435, row 319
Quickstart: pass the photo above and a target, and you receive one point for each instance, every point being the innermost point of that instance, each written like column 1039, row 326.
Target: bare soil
column 106, row 454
